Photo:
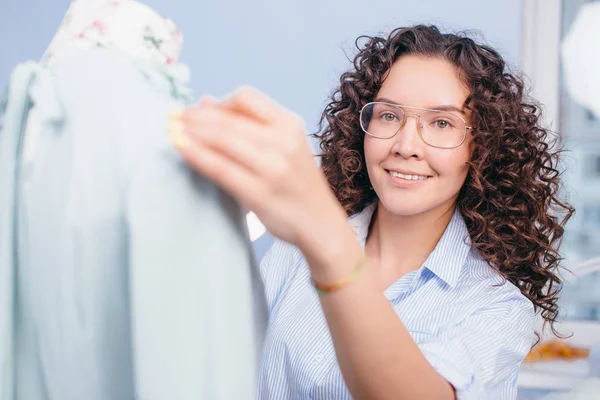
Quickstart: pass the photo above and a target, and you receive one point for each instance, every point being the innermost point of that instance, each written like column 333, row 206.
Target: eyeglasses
column 441, row 129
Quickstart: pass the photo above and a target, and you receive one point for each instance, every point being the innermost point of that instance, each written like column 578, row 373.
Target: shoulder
column 279, row 252
column 110, row 70
column 490, row 331
column 494, row 293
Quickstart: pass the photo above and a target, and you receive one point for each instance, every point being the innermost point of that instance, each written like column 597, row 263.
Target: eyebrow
column 446, row 107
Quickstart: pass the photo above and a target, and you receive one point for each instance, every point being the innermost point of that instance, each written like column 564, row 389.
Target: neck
column 399, row 244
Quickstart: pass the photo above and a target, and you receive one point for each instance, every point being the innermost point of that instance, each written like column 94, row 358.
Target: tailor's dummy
column 122, row 274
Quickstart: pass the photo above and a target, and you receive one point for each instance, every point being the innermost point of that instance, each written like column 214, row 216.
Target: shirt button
column 319, row 358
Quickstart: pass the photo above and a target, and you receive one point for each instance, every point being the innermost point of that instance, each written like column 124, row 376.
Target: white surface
column 581, row 57
column 562, row 375
column 540, row 55
column 565, row 375
column 255, row 227
column 588, row 390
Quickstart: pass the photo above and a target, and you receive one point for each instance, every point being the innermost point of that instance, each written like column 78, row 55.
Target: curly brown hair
column 510, row 199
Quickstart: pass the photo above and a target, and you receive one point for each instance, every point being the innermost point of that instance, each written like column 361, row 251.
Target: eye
column 388, row 117
column 442, row 124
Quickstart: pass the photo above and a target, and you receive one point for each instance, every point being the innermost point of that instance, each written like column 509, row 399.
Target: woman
column 430, row 290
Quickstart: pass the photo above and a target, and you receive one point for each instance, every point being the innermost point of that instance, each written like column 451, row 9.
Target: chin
column 401, row 206
column 410, row 204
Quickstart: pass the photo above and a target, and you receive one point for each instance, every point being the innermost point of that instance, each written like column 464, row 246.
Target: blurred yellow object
column 556, row 350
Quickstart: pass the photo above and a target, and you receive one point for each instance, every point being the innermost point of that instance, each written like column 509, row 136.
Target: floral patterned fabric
column 133, row 27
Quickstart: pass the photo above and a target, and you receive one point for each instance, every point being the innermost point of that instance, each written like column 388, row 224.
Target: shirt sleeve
column 276, row 269
column 481, row 356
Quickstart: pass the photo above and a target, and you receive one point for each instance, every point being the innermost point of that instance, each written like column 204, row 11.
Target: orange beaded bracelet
column 323, row 288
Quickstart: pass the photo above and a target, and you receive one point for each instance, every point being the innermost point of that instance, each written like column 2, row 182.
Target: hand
column 257, row 151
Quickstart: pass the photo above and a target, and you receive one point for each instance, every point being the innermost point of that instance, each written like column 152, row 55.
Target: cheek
column 375, row 151
column 450, row 163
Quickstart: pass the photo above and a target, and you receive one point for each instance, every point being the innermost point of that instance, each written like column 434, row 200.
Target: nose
column 408, row 142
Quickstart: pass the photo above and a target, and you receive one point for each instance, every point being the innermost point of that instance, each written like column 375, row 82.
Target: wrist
column 331, row 250
column 334, row 286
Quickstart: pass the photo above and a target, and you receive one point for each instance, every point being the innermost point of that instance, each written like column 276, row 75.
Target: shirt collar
column 450, row 253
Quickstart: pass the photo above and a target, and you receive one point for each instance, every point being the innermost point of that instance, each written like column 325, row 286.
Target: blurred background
column 296, row 50
column 293, row 50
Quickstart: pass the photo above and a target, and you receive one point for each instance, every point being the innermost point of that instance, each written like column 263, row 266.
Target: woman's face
column 431, row 83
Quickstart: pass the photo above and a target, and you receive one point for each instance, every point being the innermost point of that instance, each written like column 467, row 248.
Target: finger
column 207, row 101
column 220, row 127
column 242, row 150
column 226, row 173
column 236, row 138
column 257, row 105
column 264, row 149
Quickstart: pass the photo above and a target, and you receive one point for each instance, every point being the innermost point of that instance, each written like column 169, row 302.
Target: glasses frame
column 419, row 125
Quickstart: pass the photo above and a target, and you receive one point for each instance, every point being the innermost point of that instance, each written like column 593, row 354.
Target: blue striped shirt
column 474, row 327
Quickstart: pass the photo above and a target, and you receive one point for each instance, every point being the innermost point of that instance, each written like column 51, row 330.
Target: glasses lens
column 442, row 129
column 381, row 120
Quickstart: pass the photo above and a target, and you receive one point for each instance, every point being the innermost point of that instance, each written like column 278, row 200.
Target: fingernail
column 176, row 115
column 177, row 133
column 176, row 125
column 179, row 139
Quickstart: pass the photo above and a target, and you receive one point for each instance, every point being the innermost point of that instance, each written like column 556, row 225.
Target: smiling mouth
column 408, row 177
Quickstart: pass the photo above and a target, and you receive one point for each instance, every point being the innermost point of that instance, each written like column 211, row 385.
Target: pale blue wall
column 293, row 50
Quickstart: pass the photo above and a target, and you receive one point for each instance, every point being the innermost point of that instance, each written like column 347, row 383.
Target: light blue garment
column 473, row 328
column 10, row 155
column 133, row 277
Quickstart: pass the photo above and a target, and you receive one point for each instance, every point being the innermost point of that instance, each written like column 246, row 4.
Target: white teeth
column 408, row 177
